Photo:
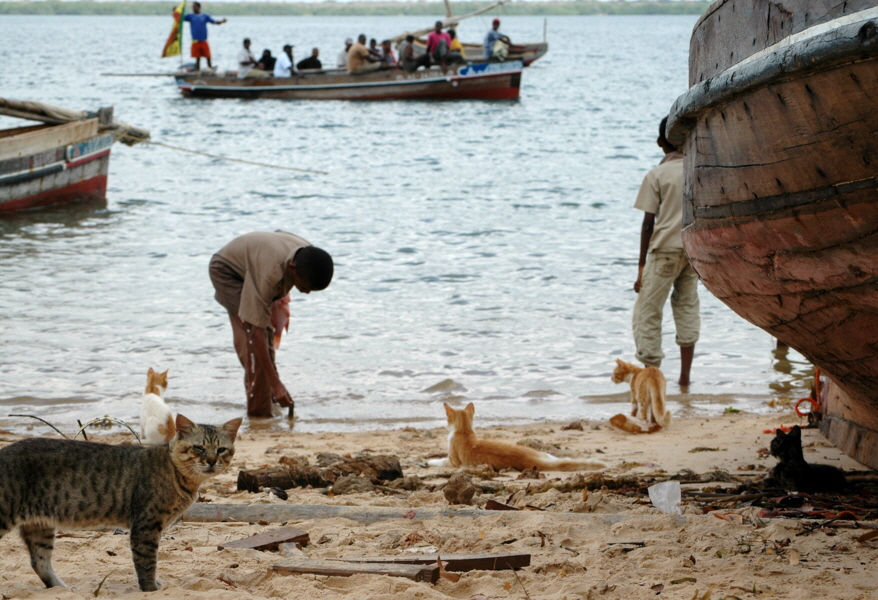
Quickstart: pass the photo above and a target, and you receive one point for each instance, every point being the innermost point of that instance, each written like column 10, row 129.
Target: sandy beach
column 583, row 544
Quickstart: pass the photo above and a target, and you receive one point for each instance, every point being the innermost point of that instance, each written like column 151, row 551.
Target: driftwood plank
column 340, row 569
column 269, row 540
column 454, row 562
column 366, row 515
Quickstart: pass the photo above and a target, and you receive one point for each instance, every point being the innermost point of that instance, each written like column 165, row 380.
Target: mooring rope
column 238, row 160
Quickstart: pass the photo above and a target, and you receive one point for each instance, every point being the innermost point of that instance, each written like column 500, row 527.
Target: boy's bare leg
column 686, row 354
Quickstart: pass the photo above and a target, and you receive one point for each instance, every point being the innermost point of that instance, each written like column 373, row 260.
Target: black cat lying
column 792, row 473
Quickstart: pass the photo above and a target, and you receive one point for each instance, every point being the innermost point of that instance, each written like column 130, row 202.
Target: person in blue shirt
column 491, row 39
column 198, row 26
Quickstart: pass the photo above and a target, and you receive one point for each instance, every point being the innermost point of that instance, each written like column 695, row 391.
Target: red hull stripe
column 87, row 159
column 90, row 189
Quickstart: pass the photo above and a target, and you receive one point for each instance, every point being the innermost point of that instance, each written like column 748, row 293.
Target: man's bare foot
column 683, row 381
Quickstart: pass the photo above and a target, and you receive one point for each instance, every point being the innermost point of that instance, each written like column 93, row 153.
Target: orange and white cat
column 465, row 449
column 648, row 388
column 157, row 421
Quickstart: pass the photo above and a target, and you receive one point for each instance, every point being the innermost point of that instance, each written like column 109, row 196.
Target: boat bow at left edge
column 63, row 159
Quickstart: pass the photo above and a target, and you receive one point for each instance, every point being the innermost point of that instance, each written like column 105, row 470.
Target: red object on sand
column 784, row 428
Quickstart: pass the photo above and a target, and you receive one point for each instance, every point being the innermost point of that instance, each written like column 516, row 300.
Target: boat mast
column 448, row 21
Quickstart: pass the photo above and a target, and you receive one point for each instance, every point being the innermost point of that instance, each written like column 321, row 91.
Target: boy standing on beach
column 198, row 27
column 663, row 265
column 250, row 274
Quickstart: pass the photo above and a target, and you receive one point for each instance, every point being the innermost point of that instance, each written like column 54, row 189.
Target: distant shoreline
column 567, row 8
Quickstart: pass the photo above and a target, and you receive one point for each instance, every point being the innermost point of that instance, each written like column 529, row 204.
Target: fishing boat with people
column 780, row 135
column 63, row 159
column 527, row 52
column 476, row 81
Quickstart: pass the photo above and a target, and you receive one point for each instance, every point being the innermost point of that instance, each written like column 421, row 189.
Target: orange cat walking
column 465, row 449
column 647, row 392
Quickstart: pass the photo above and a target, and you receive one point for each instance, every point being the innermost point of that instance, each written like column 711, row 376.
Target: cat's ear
column 150, row 373
column 779, row 434
column 619, row 362
column 448, row 410
column 184, row 426
column 470, row 409
column 231, row 427
column 165, row 374
column 796, row 432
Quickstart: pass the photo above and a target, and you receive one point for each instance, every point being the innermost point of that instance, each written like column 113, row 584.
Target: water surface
column 485, row 251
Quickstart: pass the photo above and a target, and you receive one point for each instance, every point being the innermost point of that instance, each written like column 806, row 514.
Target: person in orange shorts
column 198, row 26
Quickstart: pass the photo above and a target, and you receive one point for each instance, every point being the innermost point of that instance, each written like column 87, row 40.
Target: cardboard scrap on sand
column 633, row 424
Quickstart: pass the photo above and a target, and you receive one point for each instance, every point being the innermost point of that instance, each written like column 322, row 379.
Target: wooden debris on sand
column 270, row 540
column 345, row 569
column 292, row 473
column 458, row 563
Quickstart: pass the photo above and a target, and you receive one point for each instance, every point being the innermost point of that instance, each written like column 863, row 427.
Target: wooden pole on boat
column 451, row 20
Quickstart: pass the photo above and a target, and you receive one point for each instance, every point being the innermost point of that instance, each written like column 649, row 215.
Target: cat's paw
column 437, row 462
column 149, row 586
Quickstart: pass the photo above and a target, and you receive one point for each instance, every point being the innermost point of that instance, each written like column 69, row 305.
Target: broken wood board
column 459, row 563
column 366, row 515
column 336, row 568
column 269, row 540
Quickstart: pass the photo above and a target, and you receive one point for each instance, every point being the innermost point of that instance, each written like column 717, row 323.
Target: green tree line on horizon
column 549, row 8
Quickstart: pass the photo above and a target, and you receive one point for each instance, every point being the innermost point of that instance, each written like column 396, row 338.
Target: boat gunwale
column 337, row 86
column 846, row 44
column 184, row 85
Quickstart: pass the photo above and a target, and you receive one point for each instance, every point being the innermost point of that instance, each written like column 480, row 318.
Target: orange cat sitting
column 647, row 392
column 465, row 449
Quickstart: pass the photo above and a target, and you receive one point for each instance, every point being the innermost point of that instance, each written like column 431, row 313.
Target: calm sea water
column 485, row 251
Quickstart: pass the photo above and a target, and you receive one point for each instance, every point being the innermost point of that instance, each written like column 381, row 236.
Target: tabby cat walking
column 49, row 483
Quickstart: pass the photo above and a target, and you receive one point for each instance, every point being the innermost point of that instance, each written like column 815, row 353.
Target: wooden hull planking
column 781, row 193
column 484, row 81
column 53, row 165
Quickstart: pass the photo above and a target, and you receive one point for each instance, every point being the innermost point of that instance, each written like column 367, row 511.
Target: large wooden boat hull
column 483, row 81
column 49, row 165
column 780, row 132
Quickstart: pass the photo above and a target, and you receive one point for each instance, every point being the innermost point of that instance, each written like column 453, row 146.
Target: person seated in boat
column 284, row 65
column 388, row 60
column 409, row 57
column 456, row 53
column 492, row 48
column 374, row 49
column 198, row 28
column 266, row 61
column 248, row 67
column 360, row 60
column 342, row 60
column 312, row 62
column 437, row 44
